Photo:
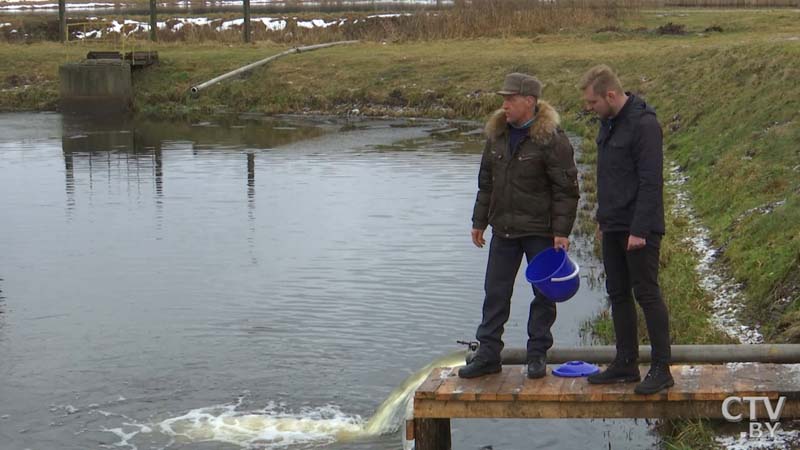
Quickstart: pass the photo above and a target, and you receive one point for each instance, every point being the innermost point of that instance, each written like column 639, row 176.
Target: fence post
column 62, row 21
column 153, row 22
column 246, row 29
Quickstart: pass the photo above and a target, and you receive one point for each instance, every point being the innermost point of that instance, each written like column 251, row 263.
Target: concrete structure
column 96, row 86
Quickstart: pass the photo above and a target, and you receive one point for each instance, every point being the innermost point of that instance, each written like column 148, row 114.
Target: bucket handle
column 568, row 277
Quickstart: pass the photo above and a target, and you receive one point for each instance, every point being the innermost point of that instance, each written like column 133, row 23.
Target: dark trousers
column 637, row 271
column 505, row 256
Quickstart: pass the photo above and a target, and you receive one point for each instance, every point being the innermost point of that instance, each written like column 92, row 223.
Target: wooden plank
column 566, row 410
column 547, row 388
column 687, row 382
column 786, row 381
column 448, row 388
column 465, row 389
column 579, row 389
column 428, row 387
column 754, row 380
column 514, row 376
column 715, row 384
column 492, row 386
column 424, row 408
column 746, row 379
column 485, row 385
column 766, row 382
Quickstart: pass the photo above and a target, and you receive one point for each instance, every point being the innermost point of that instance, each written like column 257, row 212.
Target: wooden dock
column 699, row 391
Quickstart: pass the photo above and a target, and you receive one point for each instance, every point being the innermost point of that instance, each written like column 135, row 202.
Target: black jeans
column 635, row 270
column 505, row 256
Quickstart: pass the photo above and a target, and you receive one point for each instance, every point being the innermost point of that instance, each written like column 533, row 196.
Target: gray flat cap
column 521, row 84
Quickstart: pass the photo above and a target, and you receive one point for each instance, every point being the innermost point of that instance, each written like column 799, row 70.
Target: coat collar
column 542, row 131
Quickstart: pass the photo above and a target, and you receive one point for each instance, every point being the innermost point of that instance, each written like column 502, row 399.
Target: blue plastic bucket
column 555, row 275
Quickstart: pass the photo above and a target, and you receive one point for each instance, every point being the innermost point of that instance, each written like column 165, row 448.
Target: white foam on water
column 269, row 428
column 125, row 437
column 275, row 427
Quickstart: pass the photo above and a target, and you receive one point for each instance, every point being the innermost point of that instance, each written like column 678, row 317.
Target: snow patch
column 726, row 293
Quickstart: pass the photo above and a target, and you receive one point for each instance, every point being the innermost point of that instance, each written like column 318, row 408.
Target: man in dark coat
column 630, row 214
column 528, row 193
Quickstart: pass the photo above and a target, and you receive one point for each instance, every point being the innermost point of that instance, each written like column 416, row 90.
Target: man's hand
column 477, row 238
column 561, row 242
column 635, row 242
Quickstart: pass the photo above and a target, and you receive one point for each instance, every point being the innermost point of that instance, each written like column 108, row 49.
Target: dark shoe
column 479, row 367
column 537, row 367
column 619, row 371
column 657, row 379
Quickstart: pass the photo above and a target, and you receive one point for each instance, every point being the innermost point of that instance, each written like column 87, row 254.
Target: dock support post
column 432, row 434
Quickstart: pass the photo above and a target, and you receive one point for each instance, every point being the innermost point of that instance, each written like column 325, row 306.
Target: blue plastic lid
column 575, row 369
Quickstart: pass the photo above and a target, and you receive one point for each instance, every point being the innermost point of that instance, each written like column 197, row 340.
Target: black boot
column 537, row 367
column 479, row 367
column 657, row 379
column 621, row 370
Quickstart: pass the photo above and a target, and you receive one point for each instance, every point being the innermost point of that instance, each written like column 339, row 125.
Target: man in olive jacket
column 630, row 214
column 528, row 193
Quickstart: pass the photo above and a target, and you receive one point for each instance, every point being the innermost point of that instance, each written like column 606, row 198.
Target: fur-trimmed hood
column 542, row 131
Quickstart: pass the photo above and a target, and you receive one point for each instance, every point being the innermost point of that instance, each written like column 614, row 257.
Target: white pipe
column 199, row 87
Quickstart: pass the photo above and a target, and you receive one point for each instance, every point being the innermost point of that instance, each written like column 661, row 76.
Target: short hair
column 602, row 79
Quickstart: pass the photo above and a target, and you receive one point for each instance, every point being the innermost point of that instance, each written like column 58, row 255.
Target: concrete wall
column 96, row 86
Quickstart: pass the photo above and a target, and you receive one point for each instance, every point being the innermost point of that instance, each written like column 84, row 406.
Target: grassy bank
column 725, row 90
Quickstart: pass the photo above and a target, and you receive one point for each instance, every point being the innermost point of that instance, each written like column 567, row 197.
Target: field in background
column 294, row 21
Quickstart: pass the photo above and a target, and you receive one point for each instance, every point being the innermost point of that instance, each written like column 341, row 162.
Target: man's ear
column 611, row 96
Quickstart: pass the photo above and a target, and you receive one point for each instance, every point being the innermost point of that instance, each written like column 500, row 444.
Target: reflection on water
column 2, row 309
column 292, row 273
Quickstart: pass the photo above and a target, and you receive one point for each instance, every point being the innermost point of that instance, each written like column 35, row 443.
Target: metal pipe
column 199, row 87
column 695, row 354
